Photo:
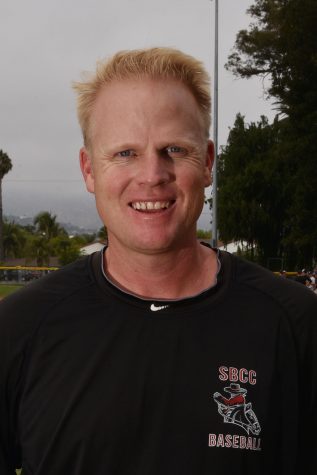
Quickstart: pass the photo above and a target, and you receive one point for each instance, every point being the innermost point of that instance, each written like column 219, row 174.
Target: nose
column 155, row 170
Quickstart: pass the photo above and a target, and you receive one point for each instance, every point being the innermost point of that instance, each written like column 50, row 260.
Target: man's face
column 148, row 164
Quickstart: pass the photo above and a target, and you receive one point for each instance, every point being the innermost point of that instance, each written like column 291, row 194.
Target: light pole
column 214, row 226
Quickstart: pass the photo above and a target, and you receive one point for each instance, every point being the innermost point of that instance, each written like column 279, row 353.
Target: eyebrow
column 104, row 150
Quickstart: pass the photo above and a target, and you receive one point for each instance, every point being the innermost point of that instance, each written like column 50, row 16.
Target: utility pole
column 214, row 227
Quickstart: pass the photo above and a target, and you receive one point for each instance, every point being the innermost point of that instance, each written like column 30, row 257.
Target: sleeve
column 21, row 314
column 10, row 363
column 308, row 394
column 304, row 329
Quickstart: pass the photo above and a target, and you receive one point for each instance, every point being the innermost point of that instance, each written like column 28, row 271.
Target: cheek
column 104, row 190
column 192, row 179
column 110, row 186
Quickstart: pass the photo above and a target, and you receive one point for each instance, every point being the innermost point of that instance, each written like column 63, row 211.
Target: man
column 110, row 365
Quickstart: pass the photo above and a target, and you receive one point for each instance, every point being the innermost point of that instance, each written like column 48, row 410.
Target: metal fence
column 23, row 274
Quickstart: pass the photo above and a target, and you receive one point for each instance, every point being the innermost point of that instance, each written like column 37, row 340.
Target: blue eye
column 126, row 153
column 175, row 151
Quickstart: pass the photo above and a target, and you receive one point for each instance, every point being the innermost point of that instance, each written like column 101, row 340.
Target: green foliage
column 84, row 239
column 5, row 167
column 202, row 234
column 14, row 240
column 102, row 233
column 66, row 249
column 274, row 194
column 281, row 44
column 5, row 164
column 42, row 241
column 41, row 245
column 252, row 193
column 46, row 225
column 39, row 248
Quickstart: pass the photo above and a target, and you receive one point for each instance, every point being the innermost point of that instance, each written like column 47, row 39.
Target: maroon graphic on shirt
column 235, row 410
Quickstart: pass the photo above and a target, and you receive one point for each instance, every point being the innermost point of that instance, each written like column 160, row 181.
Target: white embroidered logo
column 155, row 308
column 235, row 409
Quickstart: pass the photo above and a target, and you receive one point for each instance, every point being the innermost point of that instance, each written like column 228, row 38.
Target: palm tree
column 47, row 226
column 5, row 167
column 14, row 239
column 40, row 249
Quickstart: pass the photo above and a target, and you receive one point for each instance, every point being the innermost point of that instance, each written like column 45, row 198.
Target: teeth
column 150, row 205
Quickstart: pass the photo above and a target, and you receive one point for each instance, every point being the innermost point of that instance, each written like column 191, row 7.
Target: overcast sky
column 45, row 45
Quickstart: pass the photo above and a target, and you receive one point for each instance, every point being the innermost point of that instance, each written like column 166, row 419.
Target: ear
column 209, row 161
column 87, row 169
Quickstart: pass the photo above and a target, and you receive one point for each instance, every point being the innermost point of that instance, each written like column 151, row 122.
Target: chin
column 160, row 244
column 152, row 247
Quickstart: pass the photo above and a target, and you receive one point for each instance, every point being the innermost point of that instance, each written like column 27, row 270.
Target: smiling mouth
column 151, row 206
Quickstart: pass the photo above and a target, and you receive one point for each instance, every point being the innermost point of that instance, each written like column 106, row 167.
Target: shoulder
column 23, row 313
column 276, row 303
column 294, row 298
column 25, row 306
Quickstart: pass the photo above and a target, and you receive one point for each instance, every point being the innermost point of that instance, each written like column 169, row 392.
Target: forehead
column 147, row 102
column 143, row 88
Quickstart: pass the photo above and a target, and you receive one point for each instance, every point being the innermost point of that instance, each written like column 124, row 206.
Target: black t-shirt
column 96, row 381
column 302, row 279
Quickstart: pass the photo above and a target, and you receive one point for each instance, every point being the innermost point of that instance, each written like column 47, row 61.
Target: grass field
column 6, row 289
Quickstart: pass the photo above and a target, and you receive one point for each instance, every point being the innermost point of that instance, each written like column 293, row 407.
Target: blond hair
column 153, row 63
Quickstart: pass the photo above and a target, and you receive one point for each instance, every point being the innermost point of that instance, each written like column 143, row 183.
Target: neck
column 168, row 275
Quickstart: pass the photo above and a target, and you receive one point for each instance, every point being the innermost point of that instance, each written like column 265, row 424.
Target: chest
column 146, row 387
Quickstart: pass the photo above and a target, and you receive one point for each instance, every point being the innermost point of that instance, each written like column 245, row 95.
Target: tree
column 5, row 167
column 280, row 45
column 39, row 248
column 14, row 239
column 252, row 189
column 67, row 250
column 102, row 233
column 83, row 239
column 47, row 226
column 42, row 241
